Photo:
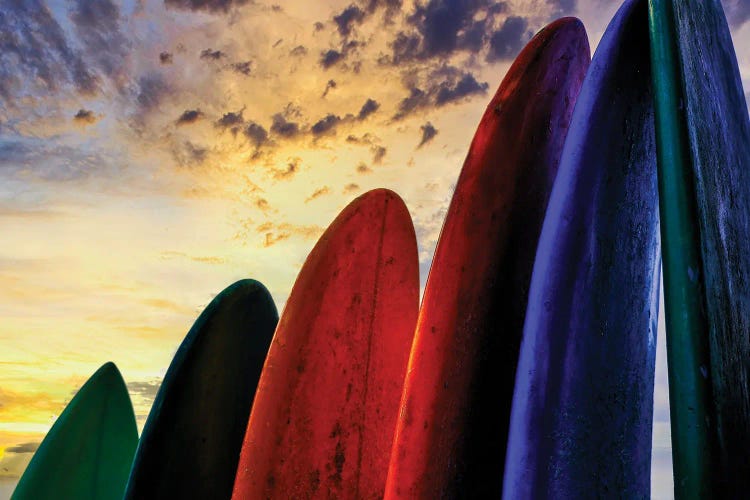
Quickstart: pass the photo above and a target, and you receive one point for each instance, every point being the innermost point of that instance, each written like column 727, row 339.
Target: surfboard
column 583, row 401
column 88, row 451
column 323, row 418
column 704, row 167
column 192, row 438
column 451, row 434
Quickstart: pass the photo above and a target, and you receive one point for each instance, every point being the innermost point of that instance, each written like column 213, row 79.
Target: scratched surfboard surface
column 323, row 418
column 583, row 402
column 451, row 434
column 719, row 136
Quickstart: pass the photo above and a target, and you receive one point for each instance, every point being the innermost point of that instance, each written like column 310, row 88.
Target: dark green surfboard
column 191, row 442
column 88, row 451
column 703, row 140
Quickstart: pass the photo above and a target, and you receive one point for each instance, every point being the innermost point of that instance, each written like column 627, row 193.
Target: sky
column 152, row 152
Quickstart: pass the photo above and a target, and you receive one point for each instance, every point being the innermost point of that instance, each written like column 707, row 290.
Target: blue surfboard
column 583, row 401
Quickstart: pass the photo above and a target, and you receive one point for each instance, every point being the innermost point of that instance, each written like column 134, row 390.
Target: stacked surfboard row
column 528, row 369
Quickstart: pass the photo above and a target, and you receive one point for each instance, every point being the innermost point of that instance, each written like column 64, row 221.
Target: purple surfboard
column 583, row 401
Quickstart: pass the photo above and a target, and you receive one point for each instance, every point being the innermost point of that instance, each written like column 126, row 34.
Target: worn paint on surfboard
column 451, row 434
column 192, row 438
column 583, row 402
column 323, row 418
column 710, row 439
column 87, row 453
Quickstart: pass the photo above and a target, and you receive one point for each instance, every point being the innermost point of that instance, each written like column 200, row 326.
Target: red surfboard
column 325, row 409
column 452, row 430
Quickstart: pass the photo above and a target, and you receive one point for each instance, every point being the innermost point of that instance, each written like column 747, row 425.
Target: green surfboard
column 703, row 145
column 88, row 451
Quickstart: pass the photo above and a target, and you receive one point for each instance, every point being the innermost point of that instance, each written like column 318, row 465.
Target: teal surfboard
column 88, row 451
column 191, row 441
column 703, row 138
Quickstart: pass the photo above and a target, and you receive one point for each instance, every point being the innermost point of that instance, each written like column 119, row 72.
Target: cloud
column 737, row 12
column 97, row 24
column 378, row 153
column 152, row 88
column 291, row 169
column 506, row 42
column 144, row 389
column 362, row 168
column 330, row 57
column 428, row 133
column 242, row 67
column 189, row 116
column 35, row 54
column 231, row 120
column 256, row 134
column 348, row 17
column 213, row 55
column 369, row 107
column 329, row 86
column 85, row 117
column 563, row 7
column 188, row 154
column 318, row 193
column 298, row 51
column 23, row 448
column 441, row 86
column 466, row 86
column 284, row 128
column 212, row 6
column 350, row 188
column 326, row 125
column 417, row 98
column 166, row 58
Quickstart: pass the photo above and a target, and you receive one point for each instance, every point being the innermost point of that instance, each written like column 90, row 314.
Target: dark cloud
column 298, row 51
column 506, row 42
column 326, row 125
column 23, row 448
column 214, row 55
column 85, row 117
column 405, row 47
column 369, row 107
column 348, row 17
column 256, row 134
column 417, row 98
column 330, row 85
column 189, row 116
column 231, row 120
column 737, row 12
column 441, row 27
column 144, row 389
column 330, row 57
column 97, row 24
column 390, row 8
column 213, row 6
column 319, row 26
column 277, row 43
column 243, row 67
column 166, row 58
column 35, row 54
column 151, row 91
column 284, row 128
column 441, row 86
column 466, row 86
column 428, row 133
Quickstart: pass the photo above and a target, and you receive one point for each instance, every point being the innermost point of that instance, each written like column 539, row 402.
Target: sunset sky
column 153, row 152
